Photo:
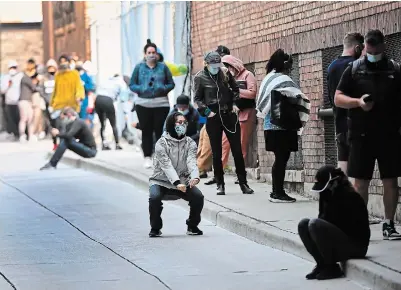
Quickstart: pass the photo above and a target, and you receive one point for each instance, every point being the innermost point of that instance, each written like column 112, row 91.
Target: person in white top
column 11, row 88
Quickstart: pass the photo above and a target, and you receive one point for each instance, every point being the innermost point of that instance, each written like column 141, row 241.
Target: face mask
column 213, row 70
column 185, row 112
column 72, row 66
column 181, row 129
column 151, row 57
column 374, row 58
column 64, row 66
column 12, row 72
column 52, row 73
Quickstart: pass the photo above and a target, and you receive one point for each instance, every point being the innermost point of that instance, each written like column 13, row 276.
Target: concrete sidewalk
column 257, row 219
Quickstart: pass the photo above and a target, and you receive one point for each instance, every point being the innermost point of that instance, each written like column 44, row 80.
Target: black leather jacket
column 207, row 87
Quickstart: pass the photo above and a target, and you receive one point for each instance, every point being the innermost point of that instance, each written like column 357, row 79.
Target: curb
column 366, row 272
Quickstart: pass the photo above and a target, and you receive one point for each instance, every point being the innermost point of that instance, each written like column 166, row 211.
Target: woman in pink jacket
column 247, row 115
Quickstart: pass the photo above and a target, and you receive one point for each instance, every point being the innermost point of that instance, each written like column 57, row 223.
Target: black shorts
column 365, row 150
column 342, row 146
column 281, row 140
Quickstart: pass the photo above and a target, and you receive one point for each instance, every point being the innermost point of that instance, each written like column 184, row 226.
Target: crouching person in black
column 75, row 129
column 175, row 175
column 341, row 231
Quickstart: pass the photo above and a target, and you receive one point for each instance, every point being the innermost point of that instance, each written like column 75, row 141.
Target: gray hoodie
column 174, row 160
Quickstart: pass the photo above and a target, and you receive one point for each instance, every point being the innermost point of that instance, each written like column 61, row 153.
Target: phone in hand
column 368, row 99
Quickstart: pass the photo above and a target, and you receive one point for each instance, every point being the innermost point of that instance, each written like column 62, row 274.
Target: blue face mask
column 213, row 70
column 374, row 58
column 181, row 129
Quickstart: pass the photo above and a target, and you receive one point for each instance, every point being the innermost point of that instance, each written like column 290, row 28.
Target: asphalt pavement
column 72, row 229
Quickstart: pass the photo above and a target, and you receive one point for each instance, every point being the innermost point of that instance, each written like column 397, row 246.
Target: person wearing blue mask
column 370, row 89
column 184, row 107
column 216, row 94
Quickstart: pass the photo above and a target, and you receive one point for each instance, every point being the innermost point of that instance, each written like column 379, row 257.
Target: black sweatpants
column 151, row 120
column 327, row 243
column 12, row 114
column 104, row 108
column 215, row 128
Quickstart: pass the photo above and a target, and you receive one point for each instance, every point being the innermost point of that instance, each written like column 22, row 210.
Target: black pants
column 281, row 157
column 57, row 124
column 12, row 113
column 71, row 144
column 327, row 243
column 151, row 120
column 215, row 128
column 104, row 108
column 157, row 193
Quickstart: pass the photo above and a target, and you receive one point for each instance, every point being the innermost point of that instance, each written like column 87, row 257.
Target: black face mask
column 52, row 73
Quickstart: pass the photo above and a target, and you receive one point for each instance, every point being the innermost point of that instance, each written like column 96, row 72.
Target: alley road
column 71, row 229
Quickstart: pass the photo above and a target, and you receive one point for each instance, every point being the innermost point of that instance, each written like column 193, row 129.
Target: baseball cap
column 323, row 177
column 222, row 50
column 213, row 59
column 183, row 100
column 12, row 63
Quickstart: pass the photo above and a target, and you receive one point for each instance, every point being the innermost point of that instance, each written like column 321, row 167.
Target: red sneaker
column 55, row 147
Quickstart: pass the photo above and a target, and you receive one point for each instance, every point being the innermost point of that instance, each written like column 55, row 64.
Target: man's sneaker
column 155, row 233
column 389, row 232
column 203, row 174
column 106, row 147
column 221, row 189
column 194, row 231
column 330, row 272
column 48, row 166
column 246, row 189
column 118, row 147
column 313, row 275
column 148, row 163
column 281, row 197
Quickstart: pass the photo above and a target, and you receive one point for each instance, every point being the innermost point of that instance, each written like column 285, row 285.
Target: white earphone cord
column 218, row 102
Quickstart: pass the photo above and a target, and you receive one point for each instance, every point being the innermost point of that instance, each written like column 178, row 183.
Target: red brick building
column 65, row 29
column 313, row 33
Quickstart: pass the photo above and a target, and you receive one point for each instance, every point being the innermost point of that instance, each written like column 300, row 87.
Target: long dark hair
column 149, row 43
column 279, row 61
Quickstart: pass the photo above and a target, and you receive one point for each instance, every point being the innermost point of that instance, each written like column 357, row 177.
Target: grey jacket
column 174, row 160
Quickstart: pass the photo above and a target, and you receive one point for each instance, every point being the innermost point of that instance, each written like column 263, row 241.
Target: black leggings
column 278, row 170
column 151, row 120
column 104, row 108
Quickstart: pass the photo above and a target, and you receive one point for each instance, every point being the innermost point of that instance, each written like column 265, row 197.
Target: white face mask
column 12, row 72
column 72, row 66
column 374, row 57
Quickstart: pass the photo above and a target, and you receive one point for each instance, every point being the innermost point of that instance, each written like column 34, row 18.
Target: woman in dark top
column 216, row 92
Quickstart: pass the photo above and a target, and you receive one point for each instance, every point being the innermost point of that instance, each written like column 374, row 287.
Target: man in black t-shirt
column 371, row 89
column 75, row 129
column 353, row 47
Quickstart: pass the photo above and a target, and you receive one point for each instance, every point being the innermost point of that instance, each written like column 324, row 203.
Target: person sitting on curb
column 175, row 175
column 75, row 129
column 341, row 231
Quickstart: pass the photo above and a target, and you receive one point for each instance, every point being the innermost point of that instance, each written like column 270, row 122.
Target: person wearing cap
column 68, row 92
column 216, row 94
column 74, row 129
column 152, row 81
column 223, row 50
column 184, row 107
column 341, row 231
column 11, row 88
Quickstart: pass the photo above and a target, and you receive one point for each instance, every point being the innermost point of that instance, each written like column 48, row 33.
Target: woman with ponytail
column 151, row 81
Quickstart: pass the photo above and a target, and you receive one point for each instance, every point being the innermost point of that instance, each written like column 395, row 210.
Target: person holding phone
column 370, row 89
column 175, row 175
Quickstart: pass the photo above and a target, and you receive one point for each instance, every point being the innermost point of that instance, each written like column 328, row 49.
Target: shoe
column 33, row 138
column 42, row 135
column 221, row 190
column 155, row 233
column 389, row 232
column 281, row 197
column 194, row 231
column 330, row 272
column 118, row 147
column 55, row 147
column 203, row 174
column 312, row 275
column 47, row 166
column 23, row 138
column 236, row 181
column 148, row 163
column 246, row 189
column 211, row 181
column 106, row 147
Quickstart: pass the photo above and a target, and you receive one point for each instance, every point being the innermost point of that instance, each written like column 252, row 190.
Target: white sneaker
column 42, row 135
column 23, row 138
column 148, row 163
column 33, row 138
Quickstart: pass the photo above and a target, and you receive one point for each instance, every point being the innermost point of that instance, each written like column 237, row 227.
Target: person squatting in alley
column 216, row 94
column 175, row 175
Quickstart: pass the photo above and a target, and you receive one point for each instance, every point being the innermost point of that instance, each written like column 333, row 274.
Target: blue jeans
column 74, row 146
column 193, row 195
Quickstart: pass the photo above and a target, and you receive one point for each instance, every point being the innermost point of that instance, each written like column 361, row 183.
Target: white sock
column 387, row 221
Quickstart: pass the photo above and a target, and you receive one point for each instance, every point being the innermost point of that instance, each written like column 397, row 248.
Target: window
column 393, row 50
column 63, row 13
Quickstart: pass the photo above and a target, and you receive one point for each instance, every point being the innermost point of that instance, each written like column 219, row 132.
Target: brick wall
column 20, row 41
column 254, row 30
